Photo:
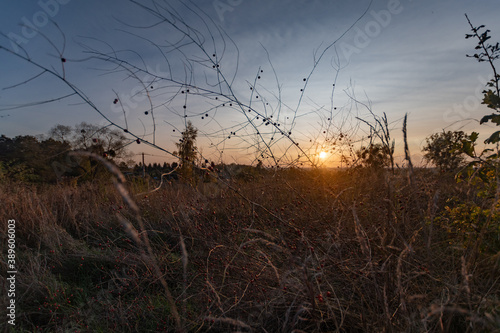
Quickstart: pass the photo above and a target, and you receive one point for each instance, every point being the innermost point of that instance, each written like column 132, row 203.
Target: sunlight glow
column 323, row 154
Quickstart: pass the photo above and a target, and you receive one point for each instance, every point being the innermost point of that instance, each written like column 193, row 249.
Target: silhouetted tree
column 444, row 150
column 99, row 140
column 61, row 133
column 187, row 150
column 375, row 156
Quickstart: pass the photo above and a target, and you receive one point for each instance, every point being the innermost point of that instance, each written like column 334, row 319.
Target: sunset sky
column 399, row 57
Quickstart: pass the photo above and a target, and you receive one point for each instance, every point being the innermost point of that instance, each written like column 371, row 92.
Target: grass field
column 289, row 251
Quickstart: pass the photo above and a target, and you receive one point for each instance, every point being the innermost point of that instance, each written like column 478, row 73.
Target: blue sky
column 401, row 57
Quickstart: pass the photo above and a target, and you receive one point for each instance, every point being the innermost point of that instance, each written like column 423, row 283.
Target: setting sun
column 323, row 154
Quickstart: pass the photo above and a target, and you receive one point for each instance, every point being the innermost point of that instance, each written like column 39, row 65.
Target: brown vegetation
column 295, row 250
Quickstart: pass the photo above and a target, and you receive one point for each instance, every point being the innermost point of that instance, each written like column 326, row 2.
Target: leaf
column 468, row 148
column 494, row 138
column 495, row 118
column 491, row 100
column 483, row 174
column 473, row 136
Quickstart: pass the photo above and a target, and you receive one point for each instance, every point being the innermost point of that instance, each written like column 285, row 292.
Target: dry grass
column 312, row 251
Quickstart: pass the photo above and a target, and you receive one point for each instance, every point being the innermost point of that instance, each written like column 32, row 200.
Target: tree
column 99, row 140
column 26, row 158
column 444, row 150
column 375, row 156
column 186, row 150
column 488, row 53
column 61, row 133
column 485, row 164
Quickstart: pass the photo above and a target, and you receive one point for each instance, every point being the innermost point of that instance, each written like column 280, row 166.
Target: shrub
column 374, row 156
column 469, row 223
column 444, row 150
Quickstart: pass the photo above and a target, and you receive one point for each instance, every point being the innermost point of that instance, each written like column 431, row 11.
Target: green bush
column 444, row 151
column 468, row 223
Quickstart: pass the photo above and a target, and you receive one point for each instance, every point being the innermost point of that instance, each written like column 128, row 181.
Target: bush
column 444, row 150
column 468, row 223
column 374, row 156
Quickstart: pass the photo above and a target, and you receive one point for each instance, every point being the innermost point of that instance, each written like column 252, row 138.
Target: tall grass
column 302, row 251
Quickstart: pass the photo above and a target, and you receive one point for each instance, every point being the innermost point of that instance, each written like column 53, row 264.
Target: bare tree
column 60, row 133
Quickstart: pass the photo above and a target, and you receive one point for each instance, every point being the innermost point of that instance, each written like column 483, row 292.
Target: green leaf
column 468, row 148
column 473, row 136
column 494, row 138
column 485, row 119
column 491, row 100
column 495, row 118
column 483, row 174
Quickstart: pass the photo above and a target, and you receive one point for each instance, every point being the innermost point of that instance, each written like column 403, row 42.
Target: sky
column 316, row 67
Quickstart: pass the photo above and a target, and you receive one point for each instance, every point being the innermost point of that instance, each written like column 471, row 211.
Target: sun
column 323, row 154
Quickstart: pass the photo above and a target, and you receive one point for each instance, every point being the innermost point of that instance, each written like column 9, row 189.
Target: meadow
column 358, row 250
column 374, row 246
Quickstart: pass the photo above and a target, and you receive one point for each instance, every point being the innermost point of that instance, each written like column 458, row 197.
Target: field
column 359, row 250
column 132, row 220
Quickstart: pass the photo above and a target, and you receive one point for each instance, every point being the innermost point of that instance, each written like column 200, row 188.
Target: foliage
column 18, row 171
column 35, row 159
column 469, row 223
column 484, row 168
column 444, row 149
column 488, row 53
column 61, row 133
column 99, row 140
column 187, row 151
column 380, row 129
column 28, row 158
column 375, row 156
column 474, row 223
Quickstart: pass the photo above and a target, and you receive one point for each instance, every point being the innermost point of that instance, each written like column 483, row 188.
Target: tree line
column 45, row 158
